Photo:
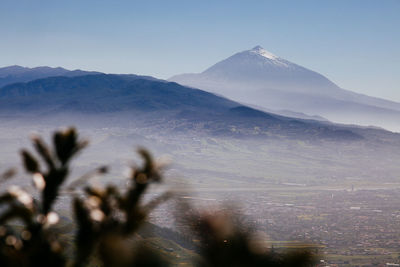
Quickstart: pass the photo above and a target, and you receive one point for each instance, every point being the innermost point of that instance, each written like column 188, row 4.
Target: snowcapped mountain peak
column 258, row 50
column 258, row 77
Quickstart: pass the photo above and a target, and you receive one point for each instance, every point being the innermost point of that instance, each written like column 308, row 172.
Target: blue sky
column 355, row 43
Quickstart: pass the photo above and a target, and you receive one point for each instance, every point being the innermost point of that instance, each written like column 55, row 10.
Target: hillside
column 163, row 104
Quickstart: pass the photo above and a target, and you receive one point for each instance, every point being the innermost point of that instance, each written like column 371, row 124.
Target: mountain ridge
column 166, row 104
column 15, row 73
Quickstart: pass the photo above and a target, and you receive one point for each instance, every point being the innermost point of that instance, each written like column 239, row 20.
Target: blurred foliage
column 225, row 242
column 108, row 219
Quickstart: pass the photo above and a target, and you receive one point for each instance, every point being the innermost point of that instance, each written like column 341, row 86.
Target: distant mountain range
column 164, row 105
column 257, row 77
column 15, row 74
column 18, row 74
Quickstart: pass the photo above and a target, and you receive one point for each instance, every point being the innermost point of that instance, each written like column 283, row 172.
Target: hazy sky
column 354, row 43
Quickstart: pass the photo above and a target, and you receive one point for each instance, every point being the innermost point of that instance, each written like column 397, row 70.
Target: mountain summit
column 258, row 50
column 260, row 78
column 259, row 68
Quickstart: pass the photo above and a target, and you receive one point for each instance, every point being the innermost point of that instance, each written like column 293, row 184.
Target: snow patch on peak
column 262, row 52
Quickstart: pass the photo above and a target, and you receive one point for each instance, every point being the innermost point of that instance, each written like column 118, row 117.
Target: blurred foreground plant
column 34, row 243
column 107, row 219
column 224, row 242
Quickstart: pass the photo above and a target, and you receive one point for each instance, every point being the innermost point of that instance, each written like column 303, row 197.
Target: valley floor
column 359, row 227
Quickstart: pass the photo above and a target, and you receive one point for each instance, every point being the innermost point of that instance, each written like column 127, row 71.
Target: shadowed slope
column 166, row 105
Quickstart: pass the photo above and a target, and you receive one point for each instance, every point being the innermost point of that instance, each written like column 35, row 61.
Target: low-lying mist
column 223, row 162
